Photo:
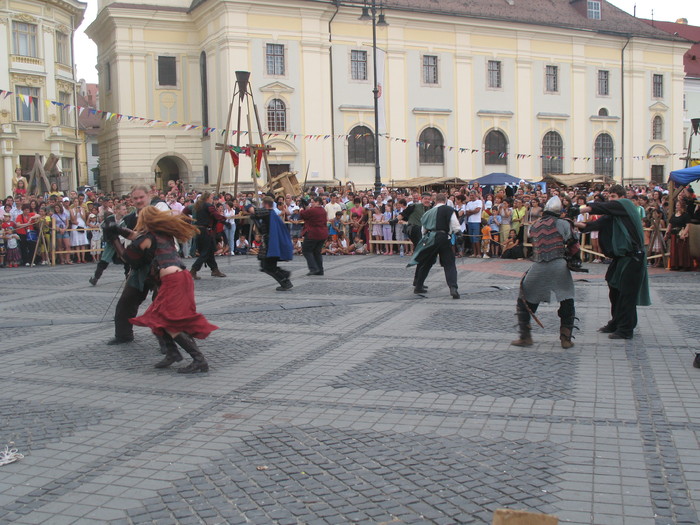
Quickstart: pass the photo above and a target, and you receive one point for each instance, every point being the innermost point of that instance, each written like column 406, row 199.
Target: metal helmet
column 553, row 205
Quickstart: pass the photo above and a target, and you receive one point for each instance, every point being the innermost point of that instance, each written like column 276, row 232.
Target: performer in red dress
column 173, row 313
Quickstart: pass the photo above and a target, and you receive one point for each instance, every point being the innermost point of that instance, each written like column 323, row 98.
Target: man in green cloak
column 621, row 238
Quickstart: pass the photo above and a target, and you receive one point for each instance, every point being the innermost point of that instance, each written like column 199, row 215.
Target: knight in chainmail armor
column 276, row 243
column 549, row 275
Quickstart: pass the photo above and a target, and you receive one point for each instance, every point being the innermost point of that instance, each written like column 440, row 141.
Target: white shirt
column 473, row 205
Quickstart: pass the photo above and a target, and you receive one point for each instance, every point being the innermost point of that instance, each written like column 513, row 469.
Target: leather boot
column 217, row 273
column 567, row 314
column 525, row 338
column 565, row 337
column 523, row 324
column 194, row 274
column 188, row 344
column 169, row 348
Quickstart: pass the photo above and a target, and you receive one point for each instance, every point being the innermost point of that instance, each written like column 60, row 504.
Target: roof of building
column 691, row 59
column 555, row 13
column 88, row 122
column 558, row 13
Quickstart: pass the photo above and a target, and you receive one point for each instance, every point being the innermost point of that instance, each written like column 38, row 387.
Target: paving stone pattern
column 349, row 400
column 319, row 474
column 450, row 371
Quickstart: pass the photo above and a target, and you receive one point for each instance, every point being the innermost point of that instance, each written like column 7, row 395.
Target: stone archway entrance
column 167, row 169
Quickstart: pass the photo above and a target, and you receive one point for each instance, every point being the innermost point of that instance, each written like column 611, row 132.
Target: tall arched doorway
column 170, row 168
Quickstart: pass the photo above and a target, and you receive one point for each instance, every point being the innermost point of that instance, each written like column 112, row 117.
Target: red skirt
column 680, row 254
column 174, row 310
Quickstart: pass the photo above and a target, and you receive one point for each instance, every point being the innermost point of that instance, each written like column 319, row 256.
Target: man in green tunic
column 621, row 238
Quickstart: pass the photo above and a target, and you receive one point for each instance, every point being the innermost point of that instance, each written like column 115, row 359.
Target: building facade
column 691, row 85
column 527, row 88
column 37, row 70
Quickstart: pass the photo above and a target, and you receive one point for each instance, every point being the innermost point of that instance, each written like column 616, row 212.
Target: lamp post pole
column 377, row 169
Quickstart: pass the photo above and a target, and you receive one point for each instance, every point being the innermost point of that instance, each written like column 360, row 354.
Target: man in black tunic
column 438, row 224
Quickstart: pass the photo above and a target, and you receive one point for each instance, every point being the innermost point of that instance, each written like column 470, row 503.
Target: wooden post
column 223, row 152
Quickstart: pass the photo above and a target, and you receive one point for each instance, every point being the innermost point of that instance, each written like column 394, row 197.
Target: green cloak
column 622, row 244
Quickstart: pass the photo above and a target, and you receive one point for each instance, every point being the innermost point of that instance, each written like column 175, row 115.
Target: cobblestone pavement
column 349, row 400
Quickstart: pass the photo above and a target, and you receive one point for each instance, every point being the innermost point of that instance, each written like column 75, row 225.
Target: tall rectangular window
column 594, row 9
column 66, row 114
column 494, row 74
column 274, row 57
column 552, row 78
column 167, row 71
column 358, row 65
column 24, row 37
column 62, row 48
column 27, row 109
column 658, row 86
column 95, row 149
column 430, row 69
column 603, row 82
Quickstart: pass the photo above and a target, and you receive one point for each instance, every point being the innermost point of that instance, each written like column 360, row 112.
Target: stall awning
column 572, row 179
column 427, row 181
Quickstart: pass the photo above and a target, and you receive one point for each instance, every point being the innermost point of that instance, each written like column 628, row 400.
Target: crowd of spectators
column 495, row 221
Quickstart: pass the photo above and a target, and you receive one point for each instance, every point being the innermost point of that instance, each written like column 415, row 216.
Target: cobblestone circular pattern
column 297, row 316
column 141, row 355
column 31, row 425
column 328, row 475
column 369, row 288
column 521, row 374
column 490, row 321
column 674, row 296
column 387, row 272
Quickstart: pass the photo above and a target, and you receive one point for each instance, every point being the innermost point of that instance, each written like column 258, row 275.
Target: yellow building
column 38, row 65
column 527, row 88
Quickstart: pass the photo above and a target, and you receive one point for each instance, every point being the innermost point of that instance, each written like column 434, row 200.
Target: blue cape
column 279, row 243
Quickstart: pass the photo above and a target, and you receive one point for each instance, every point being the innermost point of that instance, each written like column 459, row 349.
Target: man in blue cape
column 276, row 243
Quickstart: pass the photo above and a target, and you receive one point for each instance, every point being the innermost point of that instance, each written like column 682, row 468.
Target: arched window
column 603, row 112
column 496, row 148
column 361, row 145
column 431, row 149
column 604, row 152
column 657, row 128
column 552, row 152
column 204, row 87
column 276, row 115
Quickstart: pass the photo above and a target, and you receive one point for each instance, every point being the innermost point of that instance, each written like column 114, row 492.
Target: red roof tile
column 691, row 59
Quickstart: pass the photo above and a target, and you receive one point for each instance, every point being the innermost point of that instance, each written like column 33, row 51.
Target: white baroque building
column 523, row 87
column 38, row 64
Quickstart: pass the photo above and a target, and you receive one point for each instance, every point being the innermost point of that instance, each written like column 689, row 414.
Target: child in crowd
column 485, row 239
column 222, row 247
column 337, row 225
column 296, row 242
column 242, row 246
column 255, row 246
column 96, row 239
column 387, row 233
column 343, row 247
column 377, row 218
column 494, row 224
column 2, row 248
column 13, row 255
column 359, row 247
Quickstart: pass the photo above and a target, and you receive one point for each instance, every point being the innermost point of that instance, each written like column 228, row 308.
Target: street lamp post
column 380, row 21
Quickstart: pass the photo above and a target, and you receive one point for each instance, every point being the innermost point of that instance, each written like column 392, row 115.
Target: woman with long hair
column 61, row 223
column 173, row 313
column 78, row 236
column 206, row 217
